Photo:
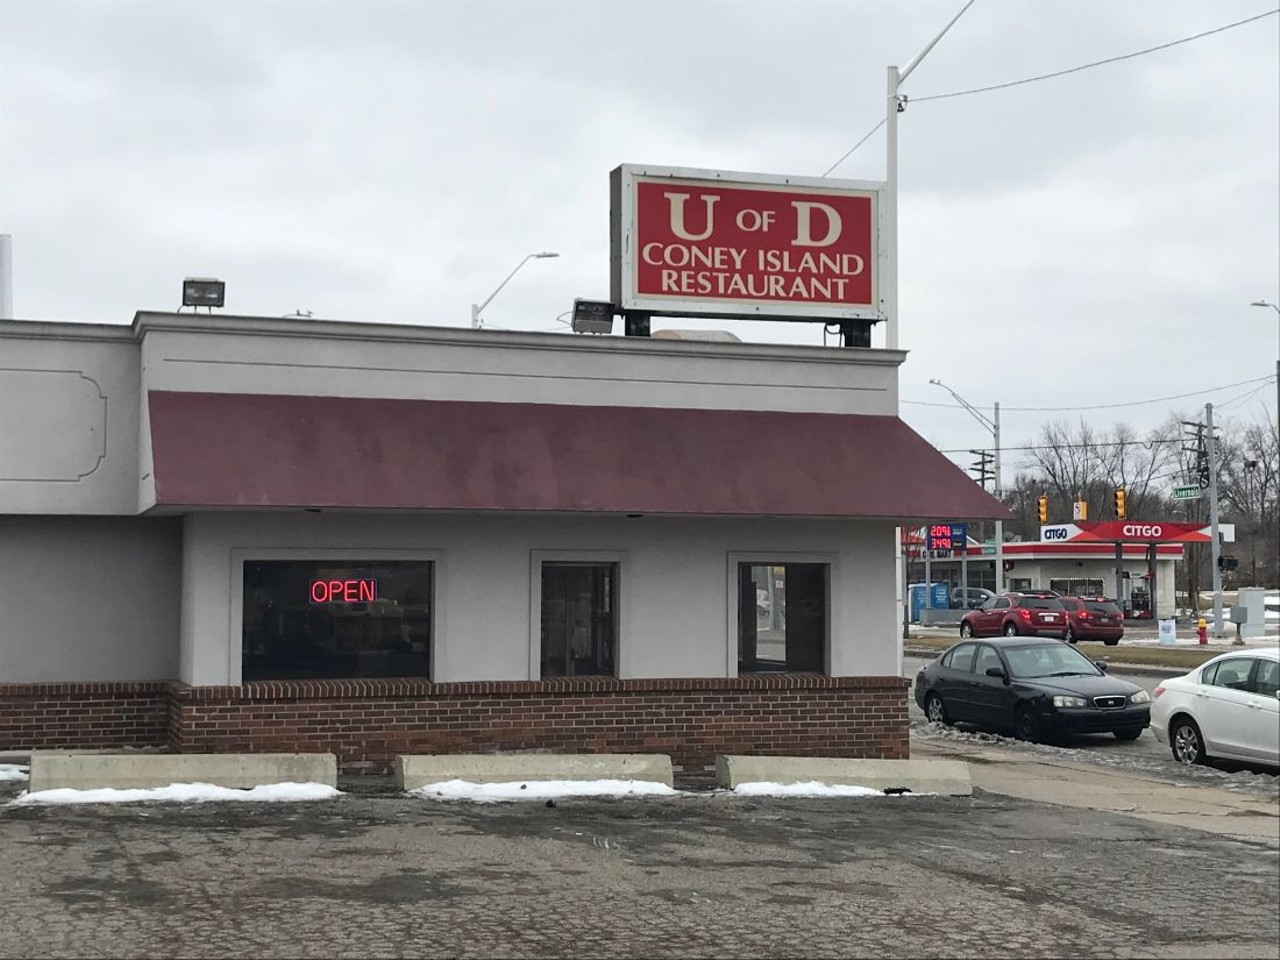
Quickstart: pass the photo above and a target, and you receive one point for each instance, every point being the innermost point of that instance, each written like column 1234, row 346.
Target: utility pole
column 1211, row 442
column 999, row 491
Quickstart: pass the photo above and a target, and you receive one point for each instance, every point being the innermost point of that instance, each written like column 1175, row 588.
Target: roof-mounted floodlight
column 592, row 316
column 203, row 292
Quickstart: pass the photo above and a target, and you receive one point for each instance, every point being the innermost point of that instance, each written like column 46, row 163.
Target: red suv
column 1093, row 618
column 1027, row 614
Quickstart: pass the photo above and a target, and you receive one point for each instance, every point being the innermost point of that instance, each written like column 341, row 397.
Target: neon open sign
column 344, row 591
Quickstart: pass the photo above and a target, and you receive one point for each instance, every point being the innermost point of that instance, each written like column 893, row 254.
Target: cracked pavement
column 375, row 874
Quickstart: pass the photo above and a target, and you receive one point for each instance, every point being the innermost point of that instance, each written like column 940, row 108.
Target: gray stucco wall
column 68, row 419
column 677, row 614
column 89, row 598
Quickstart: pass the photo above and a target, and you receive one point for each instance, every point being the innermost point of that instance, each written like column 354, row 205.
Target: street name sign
column 1191, row 492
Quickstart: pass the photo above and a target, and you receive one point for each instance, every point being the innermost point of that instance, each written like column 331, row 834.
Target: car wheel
column 936, row 710
column 1111, row 643
column 1010, row 630
column 1185, row 741
column 1071, row 636
column 1027, row 725
column 1128, row 734
column 966, row 631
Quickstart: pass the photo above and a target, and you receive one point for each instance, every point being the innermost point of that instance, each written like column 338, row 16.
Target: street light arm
column 527, row 258
column 906, row 71
column 978, row 414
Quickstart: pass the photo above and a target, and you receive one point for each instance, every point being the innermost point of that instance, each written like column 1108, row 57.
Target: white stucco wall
column 676, row 613
column 89, row 598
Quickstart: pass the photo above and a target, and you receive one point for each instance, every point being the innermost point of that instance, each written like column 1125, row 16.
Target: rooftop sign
column 741, row 245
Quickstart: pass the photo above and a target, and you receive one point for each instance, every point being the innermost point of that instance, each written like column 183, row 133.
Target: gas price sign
column 947, row 536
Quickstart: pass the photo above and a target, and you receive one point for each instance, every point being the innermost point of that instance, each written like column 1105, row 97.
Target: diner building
column 231, row 533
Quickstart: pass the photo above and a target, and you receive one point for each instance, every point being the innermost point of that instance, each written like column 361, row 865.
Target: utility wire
column 1050, row 76
column 1102, row 406
column 849, row 152
column 1096, row 63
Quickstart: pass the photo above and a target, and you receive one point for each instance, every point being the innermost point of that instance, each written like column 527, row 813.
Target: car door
column 1262, row 713
column 1221, row 702
column 954, row 676
column 992, row 615
column 991, row 697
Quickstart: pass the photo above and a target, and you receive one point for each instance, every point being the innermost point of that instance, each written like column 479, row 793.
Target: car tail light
column 1083, row 615
column 1155, row 694
column 1024, row 613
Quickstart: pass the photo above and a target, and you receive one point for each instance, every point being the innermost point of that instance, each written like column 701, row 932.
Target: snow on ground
column 541, row 790
column 12, row 771
column 553, row 789
column 1241, row 781
column 183, row 793
column 811, row 789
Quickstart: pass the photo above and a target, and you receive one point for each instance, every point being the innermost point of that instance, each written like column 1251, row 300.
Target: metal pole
column 475, row 317
column 6, row 277
column 995, row 431
column 1216, row 550
column 1120, row 576
column 891, row 210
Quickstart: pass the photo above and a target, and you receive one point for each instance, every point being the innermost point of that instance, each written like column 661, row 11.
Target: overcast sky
column 1091, row 239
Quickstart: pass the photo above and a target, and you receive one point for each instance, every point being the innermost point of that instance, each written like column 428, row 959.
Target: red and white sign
column 1126, row 531
column 711, row 243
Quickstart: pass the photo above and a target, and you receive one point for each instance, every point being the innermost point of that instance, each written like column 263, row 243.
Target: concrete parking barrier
column 948, row 777
column 417, row 770
column 52, row 770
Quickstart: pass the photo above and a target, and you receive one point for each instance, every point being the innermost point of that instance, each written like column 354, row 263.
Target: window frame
column 621, row 559
column 235, row 648
column 778, row 558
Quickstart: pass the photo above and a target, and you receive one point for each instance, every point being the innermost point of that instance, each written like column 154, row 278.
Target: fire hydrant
column 1202, row 632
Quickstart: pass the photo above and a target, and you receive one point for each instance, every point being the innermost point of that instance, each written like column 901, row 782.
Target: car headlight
column 1061, row 701
column 1140, row 697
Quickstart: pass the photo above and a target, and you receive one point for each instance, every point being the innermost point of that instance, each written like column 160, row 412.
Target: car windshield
column 1041, row 603
column 1071, row 603
column 1029, row 662
column 1102, row 606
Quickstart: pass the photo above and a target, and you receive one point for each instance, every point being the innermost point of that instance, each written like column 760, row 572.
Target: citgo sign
column 730, row 244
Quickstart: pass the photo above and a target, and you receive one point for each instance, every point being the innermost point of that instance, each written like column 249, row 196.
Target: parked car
column 1227, row 709
column 969, row 598
column 1093, row 618
column 1039, row 689
column 1034, row 614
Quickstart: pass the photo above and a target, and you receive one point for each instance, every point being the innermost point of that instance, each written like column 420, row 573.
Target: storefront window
column 782, row 617
column 579, row 619
column 311, row 619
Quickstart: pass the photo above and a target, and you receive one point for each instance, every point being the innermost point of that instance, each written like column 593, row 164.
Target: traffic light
column 1119, row 503
column 1044, row 509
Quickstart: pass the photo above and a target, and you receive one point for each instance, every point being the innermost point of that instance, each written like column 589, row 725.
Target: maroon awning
column 246, row 450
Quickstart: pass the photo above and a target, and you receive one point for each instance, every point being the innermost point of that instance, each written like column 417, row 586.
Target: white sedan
column 1228, row 709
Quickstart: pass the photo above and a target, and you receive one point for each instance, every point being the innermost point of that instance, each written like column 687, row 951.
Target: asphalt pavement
column 373, row 874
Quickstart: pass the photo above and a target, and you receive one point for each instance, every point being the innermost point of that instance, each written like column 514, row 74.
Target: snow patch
column 183, row 793
column 540, row 790
column 11, row 771
column 811, row 788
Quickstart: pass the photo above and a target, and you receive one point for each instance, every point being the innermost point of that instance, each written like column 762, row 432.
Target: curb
column 1140, row 669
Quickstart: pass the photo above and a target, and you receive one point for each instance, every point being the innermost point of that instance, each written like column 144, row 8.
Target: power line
column 1103, row 406
column 1092, row 445
column 1050, row 76
column 849, row 152
column 1096, row 63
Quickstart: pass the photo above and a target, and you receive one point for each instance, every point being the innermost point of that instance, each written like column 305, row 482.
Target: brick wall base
column 36, row 716
column 368, row 722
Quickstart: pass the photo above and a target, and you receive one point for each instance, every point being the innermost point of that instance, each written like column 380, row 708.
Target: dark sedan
column 1039, row 689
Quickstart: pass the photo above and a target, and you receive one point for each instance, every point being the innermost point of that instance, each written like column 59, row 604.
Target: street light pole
column 1268, row 303
column 893, row 106
column 476, row 322
column 993, row 424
